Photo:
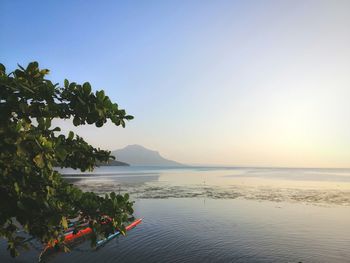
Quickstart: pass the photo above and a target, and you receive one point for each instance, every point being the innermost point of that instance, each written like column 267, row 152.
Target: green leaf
column 32, row 66
column 61, row 153
column 122, row 230
column 56, row 129
column 44, row 72
column 2, row 69
column 41, row 122
column 99, row 123
column 72, row 85
column 87, row 88
column 16, row 187
column 129, row 117
column 39, row 160
column 76, row 121
column 126, row 196
column 47, row 123
column 100, row 95
column 22, row 68
column 64, row 222
column 70, row 135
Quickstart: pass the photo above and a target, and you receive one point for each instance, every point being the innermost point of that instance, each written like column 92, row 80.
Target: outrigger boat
column 71, row 237
column 127, row 228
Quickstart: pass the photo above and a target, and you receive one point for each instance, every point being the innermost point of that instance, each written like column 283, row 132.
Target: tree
column 34, row 198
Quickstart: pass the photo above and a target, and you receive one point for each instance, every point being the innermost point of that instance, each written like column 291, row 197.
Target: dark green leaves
column 129, row 117
column 100, row 95
column 76, row 121
column 32, row 193
column 87, row 88
column 61, row 153
column 2, row 69
column 71, row 135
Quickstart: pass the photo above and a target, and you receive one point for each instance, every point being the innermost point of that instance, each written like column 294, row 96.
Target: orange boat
column 71, row 237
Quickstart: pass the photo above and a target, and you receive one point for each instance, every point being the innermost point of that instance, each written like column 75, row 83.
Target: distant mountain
column 140, row 156
column 113, row 163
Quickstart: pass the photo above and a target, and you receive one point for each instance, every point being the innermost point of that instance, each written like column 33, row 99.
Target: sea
column 220, row 214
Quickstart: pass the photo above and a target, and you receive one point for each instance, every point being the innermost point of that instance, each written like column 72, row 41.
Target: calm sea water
column 222, row 215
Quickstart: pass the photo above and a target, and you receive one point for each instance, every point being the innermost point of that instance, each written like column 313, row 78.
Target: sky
column 247, row 83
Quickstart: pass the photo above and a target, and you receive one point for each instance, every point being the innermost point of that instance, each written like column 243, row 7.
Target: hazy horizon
column 232, row 165
column 235, row 83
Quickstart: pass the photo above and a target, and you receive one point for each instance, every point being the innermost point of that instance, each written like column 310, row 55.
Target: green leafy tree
column 34, row 198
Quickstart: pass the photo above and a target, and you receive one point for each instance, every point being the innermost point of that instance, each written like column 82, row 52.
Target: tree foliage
column 34, row 198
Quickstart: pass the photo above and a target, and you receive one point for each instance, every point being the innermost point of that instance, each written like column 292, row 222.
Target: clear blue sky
column 210, row 82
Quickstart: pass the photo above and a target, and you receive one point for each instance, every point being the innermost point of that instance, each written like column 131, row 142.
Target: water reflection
column 206, row 214
column 313, row 186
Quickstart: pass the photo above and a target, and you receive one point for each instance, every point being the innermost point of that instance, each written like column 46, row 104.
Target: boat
column 127, row 228
column 71, row 238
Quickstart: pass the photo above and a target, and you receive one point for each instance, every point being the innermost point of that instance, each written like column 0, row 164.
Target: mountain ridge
column 138, row 155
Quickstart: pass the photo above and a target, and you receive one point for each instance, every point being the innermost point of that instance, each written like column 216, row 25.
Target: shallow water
column 223, row 215
column 314, row 186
